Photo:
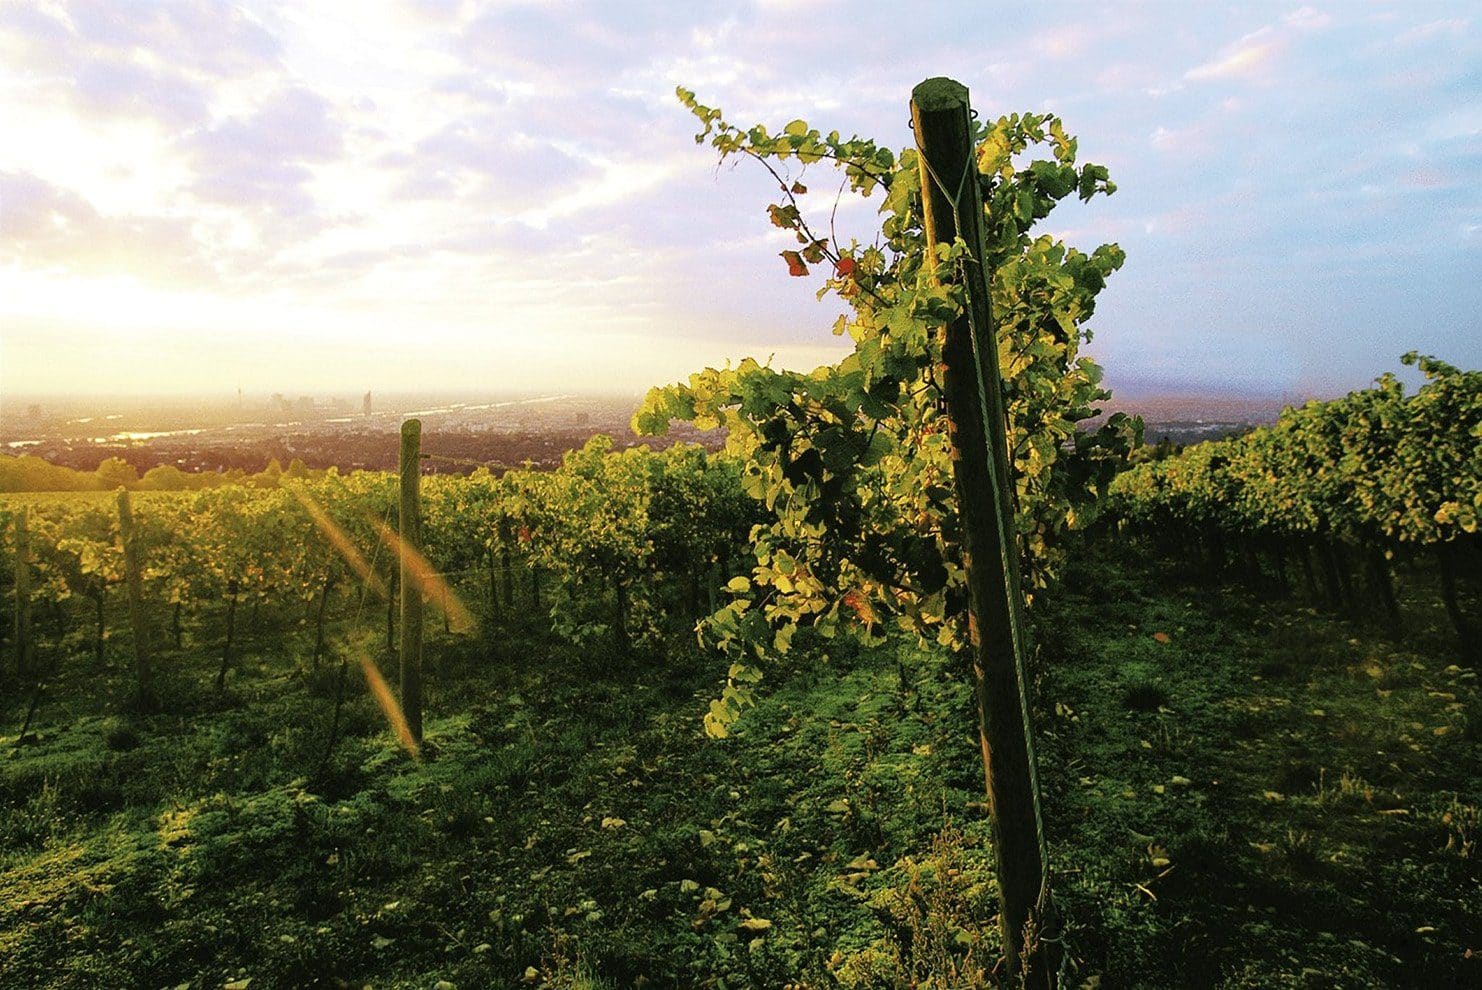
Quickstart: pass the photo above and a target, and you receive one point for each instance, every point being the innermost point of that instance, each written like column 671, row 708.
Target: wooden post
column 410, row 520
column 134, row 583
column 976, row 418
column 22, row 638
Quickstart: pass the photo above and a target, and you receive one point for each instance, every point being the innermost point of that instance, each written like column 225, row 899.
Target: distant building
column 365, row 404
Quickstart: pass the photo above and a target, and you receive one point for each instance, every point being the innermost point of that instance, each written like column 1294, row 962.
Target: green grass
column 1270, row 798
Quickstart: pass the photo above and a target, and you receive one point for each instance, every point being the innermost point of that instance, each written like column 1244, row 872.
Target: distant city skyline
column 458, row 197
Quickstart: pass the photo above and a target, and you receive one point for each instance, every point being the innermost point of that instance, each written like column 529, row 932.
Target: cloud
column 1307, row 19
column 1063, row 41
column 212, row 37
column 47, row 227
column 1255, row 54
column 260, row 161
column 112, row 88
column 154, row 61
column 1246, row 59
column 489, row 163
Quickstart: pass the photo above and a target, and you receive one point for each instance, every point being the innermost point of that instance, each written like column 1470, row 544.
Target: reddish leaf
column 795, row 264
column 798, row 189
column 785, row 217
column 862, row 607
column 844, row 267
column 1162, row 637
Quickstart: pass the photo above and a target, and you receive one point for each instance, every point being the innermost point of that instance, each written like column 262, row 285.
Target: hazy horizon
column 1132, row 387
column 315, row 200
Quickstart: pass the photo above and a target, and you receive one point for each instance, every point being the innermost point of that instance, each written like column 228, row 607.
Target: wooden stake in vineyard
column 976, row 418
column 410, row 520
column 134, row 584
column 22, row 638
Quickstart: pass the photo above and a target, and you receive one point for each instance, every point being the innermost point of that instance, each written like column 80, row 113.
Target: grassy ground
column 1270, row 797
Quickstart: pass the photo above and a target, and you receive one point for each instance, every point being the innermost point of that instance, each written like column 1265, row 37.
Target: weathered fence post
column 972, row 388
column 410, row 520
column 134, row 584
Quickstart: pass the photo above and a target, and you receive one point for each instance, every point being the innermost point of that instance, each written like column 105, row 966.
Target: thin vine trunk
column 339, row 703
column 509, row 575
column 1451, row 598
column 1343, row 566
column 1304, row 557
column 620, row 617
column 100, row 625
column 138, row 622
column 1278, row 567
column 391, row 599
column 1382, row 581
column 493, row 583
column 22, row 627
column 319, row 622
column 31, row 712
column 231, row 628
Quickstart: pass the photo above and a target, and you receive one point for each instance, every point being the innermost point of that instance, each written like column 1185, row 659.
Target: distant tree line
column 28, row 473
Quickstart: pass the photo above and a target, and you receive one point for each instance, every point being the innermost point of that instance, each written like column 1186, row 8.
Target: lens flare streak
column 340, row 541
column 381, row 691
column 432, row 585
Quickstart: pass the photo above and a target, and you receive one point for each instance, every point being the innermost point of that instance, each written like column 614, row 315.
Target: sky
column 198, row 195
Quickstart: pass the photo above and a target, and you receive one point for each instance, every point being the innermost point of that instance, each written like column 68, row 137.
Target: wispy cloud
column 1248, row 58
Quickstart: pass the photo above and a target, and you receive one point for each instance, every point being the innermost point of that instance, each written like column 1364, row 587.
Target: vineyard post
column 22, row 597
column 134, row 583
column 972, row 389
column 410, row 521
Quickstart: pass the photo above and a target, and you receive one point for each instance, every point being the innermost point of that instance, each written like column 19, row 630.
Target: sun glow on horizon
column 402, row 196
